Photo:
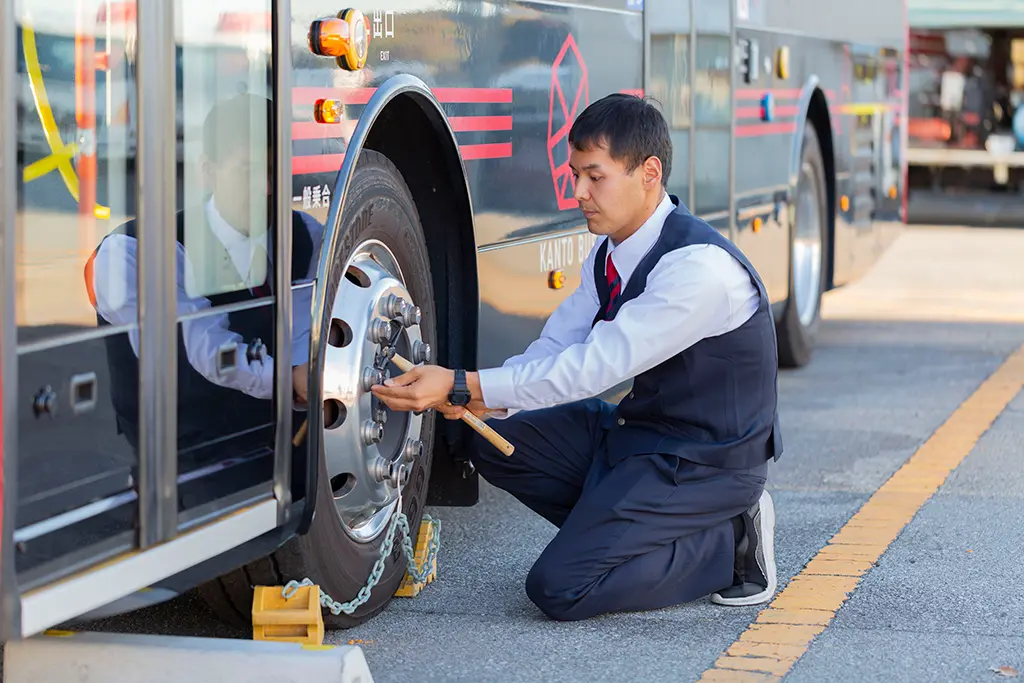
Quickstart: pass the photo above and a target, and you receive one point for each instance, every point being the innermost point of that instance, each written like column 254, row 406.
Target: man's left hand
column 423, row 387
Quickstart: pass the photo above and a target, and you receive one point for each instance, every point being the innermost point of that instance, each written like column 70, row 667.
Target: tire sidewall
column 378, row 206
column 798, row 339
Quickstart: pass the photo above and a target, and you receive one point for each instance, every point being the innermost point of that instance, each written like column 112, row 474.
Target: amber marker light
column 556, row 279
column 328, row 111
column 345, row 37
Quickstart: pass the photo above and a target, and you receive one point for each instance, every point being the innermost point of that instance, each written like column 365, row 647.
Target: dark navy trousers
column 646, row 532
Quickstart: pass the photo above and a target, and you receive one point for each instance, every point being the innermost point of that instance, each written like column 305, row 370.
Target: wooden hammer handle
column 496, row 439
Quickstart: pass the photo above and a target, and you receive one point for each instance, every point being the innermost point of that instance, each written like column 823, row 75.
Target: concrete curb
column 114, row 658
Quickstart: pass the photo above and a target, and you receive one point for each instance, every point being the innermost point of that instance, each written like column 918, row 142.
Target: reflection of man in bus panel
column 224, row 256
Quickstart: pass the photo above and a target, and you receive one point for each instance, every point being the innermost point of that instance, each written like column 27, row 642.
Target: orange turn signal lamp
column 328, row 111
column 345, row 37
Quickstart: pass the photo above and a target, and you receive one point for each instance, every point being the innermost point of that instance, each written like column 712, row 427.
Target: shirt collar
column 227, row 235
column 629, row 252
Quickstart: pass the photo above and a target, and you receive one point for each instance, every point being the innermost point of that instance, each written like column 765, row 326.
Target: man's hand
column 475, row 406
column 300, row 383
column 423, row 387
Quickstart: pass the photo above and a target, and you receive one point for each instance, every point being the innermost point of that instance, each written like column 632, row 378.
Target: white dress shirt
column 115, row 283
column 692, row 293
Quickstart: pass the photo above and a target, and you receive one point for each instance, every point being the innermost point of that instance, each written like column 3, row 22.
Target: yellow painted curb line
column 782, row 632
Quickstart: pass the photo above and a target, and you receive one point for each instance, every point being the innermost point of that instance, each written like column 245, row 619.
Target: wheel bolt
column 420, row 352
column 380, row 415
column 411, row 315
column 394, row 473
column 372, row 376
column 380, row 331
column 413, row 450
column 393, row 306
column 373, row 432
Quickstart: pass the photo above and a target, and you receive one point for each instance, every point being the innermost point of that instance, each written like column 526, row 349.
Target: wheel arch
column 814, row 111
column 405, row 122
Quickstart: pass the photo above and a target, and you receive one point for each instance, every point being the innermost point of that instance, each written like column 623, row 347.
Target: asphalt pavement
column 898, row 354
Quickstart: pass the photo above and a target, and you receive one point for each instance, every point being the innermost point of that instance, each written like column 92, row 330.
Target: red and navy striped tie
column 614, row 287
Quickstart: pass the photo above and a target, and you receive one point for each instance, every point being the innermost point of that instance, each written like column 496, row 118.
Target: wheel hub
column 369, row 449
column 807, row 249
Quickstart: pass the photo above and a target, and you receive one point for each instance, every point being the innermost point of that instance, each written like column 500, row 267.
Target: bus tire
column 378, row 206
column 797, row 328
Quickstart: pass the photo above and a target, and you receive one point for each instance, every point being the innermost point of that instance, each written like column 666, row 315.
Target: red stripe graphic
column 329, row 163
column 758, row 129
column 462, row 124
column 309, row 95
column 499, row 150
column 324, row 163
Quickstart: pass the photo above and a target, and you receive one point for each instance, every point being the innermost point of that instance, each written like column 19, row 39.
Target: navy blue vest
column 207, row 412
column 714, row 403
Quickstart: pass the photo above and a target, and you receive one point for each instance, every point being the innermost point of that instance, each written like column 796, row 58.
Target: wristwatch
column 459, row 395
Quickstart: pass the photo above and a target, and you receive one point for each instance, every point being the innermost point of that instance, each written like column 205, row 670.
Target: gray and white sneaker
column 755, row 579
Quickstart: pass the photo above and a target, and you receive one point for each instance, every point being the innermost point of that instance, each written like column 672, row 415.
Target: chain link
column 399, row 522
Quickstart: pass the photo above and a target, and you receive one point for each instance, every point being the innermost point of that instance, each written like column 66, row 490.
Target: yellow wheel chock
column 297, row 619
column 410, row 588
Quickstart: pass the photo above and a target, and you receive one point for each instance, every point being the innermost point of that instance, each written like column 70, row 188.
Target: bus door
column 688, row 69
column 146, row 294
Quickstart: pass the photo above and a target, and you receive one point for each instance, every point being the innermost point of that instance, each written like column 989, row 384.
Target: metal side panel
column 65, row 600
column 9, row 606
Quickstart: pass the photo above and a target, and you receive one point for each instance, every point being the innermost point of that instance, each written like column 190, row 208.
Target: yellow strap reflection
column 60, row 157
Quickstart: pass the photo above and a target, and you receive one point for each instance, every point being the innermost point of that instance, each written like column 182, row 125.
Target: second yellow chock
column 409, row 587
column 297, row 619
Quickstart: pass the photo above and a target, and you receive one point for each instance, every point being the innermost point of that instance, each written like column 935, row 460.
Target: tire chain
column 398, row 522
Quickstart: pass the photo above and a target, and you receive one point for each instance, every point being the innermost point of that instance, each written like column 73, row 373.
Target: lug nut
column 394, row 473
column 381, row 469
column 372, row 376
column 380, row 331
column 411, row 315
column 380, row 415
column 373, row 432
column 420, row 352
column 393, row 306
column 413, row 450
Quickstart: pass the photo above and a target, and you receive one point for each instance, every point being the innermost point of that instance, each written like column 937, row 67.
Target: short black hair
column 631, row 127
column 235, row 124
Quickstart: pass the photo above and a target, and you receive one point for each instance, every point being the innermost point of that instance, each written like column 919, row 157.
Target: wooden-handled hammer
column 496, row 439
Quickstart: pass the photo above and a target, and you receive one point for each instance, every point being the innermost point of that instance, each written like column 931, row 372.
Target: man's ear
column 652, row 172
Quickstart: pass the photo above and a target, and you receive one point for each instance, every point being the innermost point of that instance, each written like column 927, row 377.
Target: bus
column 966, row 123
column 221, row 219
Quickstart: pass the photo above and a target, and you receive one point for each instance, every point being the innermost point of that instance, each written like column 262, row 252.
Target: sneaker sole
column 767, row 532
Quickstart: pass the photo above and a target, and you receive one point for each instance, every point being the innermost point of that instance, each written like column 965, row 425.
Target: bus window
column 669, row 81
column 225, row 152
column 76, row 154
column 227, row 311
column 712, row 117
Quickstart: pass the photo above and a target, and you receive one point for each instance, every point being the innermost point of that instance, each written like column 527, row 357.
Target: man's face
column 611, row 198
column 241, row 186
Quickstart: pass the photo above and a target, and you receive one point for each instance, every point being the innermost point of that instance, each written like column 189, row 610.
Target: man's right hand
column 300, row 383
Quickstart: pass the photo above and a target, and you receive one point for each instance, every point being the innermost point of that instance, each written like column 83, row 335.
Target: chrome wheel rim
column 369, row 450
column 807, row 248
